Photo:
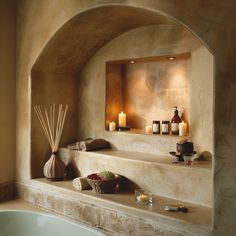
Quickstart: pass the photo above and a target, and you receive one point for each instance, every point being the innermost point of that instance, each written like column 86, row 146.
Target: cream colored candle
column 112, row 126
column 182, row 129
column 148, row 129
column 142, row 198
column 122, row 119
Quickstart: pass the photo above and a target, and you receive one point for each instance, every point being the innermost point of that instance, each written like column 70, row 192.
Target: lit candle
column 182, row 129
column 112, row 126
column 142, row 198
column 148, row 129
column 122, row 119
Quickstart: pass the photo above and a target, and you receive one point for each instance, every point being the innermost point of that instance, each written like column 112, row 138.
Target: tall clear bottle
column 175, row 122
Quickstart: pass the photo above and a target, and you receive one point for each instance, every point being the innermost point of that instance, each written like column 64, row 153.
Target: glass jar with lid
column 156, row 127
column 165, row 127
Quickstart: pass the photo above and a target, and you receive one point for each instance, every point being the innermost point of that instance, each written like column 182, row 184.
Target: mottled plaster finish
column 150, row 90
column 7, row 91
column 49, row 89
column 100, row 24
column 213, row 21
column 139, row 43
column 90, row 101
column 201, row 99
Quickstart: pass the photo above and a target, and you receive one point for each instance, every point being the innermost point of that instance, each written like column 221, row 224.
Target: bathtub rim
column 59, row 217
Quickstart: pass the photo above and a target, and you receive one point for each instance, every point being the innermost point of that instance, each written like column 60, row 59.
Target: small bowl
column 186, row 147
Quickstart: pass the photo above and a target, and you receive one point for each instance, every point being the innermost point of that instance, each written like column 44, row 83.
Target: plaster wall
column 49, row 89
column 213, row 21
column 201, row 99
column 7, row 91
column 151, row 90
column 147, row 41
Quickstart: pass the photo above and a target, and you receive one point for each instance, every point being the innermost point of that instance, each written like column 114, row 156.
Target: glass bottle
column 175, row 122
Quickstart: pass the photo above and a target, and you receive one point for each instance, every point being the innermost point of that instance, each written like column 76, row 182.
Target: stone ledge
column 147, row 158
column 155, row 173
column 136, row 141
column 116, row 212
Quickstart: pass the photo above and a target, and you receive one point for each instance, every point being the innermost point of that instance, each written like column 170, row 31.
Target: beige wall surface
column 51, row 89
column 137, row 43
column 7, row 91
column 201, row 99
column 213, row 21
column 151, row 90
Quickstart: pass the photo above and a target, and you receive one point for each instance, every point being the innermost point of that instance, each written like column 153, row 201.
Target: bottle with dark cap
column 175, row 122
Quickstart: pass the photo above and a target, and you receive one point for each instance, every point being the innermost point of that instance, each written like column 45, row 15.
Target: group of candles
column 155, row 128
column 121, row 122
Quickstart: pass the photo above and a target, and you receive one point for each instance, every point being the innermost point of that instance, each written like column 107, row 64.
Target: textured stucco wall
column 143, row 42
column 151, row 90
column 201, row 99
column 7, row 91
column 58, row 89
column 213, row 21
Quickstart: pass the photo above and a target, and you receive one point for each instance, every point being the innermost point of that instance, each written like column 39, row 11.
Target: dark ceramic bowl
column 186, row 147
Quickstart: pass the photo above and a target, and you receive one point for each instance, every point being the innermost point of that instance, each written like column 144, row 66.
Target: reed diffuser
column 52, row 124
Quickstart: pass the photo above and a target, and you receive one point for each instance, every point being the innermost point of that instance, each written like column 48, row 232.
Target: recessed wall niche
column 148, row 89
column 84, row 89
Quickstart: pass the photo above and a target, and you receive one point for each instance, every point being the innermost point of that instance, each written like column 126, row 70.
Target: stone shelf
column 198, row 219
column 148, row 158
column 135, row 140
column 155, row 173
column 142, row 132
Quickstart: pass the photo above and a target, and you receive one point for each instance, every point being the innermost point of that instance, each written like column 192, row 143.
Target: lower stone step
column 118, row 214
column 155, row 173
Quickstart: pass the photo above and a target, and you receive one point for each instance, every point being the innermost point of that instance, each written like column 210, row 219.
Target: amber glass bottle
column 175, row 122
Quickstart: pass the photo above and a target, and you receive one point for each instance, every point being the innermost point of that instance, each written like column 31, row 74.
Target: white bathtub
column 27, row 223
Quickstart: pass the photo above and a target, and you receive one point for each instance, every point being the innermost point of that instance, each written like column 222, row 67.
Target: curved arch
column 68, row 50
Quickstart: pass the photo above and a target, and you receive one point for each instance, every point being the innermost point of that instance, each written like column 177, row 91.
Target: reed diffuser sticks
column 52, row 124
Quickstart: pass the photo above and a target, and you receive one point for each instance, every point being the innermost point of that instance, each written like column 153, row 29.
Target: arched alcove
column 64, row 56
column 71, row 70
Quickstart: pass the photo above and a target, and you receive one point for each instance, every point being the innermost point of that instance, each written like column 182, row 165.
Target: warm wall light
column 132, row 61
column 171, row 58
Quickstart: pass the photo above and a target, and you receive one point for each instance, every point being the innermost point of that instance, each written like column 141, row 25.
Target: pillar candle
column 122, row 119
column 112, row 126
column 148, row 129
column 182, row 129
